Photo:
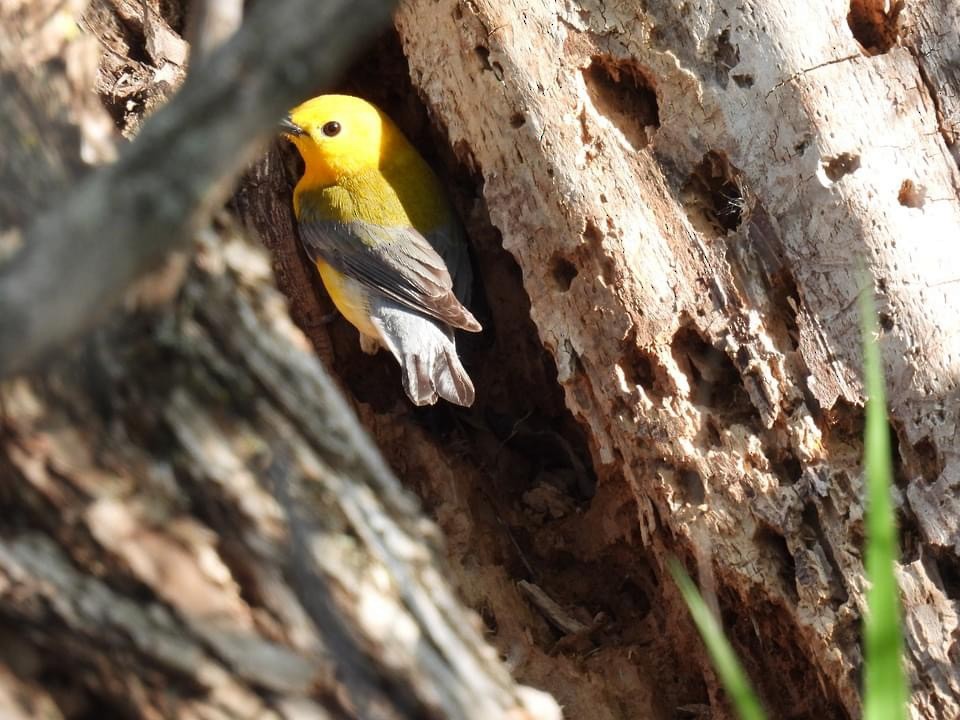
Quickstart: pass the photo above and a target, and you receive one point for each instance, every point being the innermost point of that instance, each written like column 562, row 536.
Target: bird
column 375, row 221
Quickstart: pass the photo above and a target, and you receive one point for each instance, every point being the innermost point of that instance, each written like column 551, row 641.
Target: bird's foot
column 369, row 345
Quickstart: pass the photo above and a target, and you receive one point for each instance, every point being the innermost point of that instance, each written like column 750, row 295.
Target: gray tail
column 436, row 372
column 427, row 354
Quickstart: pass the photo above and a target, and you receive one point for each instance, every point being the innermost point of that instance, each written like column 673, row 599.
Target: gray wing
column 396, row 262
column 449, row 241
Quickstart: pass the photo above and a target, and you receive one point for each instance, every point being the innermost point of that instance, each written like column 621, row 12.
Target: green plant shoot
column 885, row 693
column 724, row 659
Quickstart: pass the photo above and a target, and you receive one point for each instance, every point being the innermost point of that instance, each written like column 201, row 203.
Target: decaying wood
column 509, row 480
column 690, row 194
column 687, row 196
column 196, row 526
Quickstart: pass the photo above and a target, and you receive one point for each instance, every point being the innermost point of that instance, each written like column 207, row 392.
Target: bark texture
column 218, row 539
column 669, row 207
column 195, row 525
column 690, row 194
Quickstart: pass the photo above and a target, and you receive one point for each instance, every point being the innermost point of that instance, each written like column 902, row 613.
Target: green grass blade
column 725, row 661
column 885, row 694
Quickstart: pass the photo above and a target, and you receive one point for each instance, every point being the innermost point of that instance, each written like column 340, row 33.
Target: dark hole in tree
column 775, row 544
column 726, row 56
column 927, row 460
column 563, row 272
column 692, row 485
column 900, row 476
column 788, row 468
column 483, row 53
column 715, row 381
column 947, row 569
column 873, row 26
column 713, row 195
column 814, row 533
column 640, row 369
column 626, row 95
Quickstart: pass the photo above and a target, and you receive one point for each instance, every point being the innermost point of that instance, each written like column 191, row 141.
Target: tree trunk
column 694, row 203
column 195, row 525
column 694, row 198
column 671, row 212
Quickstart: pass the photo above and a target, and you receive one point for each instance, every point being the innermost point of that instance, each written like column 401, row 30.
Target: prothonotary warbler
column 375, row 220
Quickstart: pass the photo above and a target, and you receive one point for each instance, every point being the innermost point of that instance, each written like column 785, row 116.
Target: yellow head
column 339, row 136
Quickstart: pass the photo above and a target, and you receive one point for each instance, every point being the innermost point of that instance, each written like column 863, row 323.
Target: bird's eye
column 331, row 128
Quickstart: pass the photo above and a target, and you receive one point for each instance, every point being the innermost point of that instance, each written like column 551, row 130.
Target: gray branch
column 79, row 257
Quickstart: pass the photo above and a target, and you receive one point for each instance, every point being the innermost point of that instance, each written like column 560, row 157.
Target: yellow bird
column 375, row 220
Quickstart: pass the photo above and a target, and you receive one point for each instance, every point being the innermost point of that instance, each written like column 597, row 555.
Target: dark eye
column 331, row 128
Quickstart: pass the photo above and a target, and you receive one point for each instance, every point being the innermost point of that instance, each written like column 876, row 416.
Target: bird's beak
column 289, row 127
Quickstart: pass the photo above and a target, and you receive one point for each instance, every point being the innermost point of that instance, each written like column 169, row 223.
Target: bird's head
column 338, row 135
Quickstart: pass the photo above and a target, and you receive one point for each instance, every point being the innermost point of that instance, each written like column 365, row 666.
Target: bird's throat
column 366, row 196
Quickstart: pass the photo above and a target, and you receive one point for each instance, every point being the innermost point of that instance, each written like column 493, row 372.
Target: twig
column 551, row 609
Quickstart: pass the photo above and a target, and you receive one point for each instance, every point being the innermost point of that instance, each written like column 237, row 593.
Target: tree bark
column 195, row 524
column 671, row 211
column 695, row 198
column 693, row 213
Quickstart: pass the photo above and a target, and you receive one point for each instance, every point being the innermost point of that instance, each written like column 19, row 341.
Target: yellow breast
column 350, row 297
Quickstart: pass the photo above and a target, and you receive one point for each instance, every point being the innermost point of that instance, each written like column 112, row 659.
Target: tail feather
column 429, row 375
column 427, row 354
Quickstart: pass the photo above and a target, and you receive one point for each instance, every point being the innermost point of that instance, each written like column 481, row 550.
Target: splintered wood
column 692, row 195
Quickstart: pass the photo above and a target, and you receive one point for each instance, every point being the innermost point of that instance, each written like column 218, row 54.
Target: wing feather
column 394, row 261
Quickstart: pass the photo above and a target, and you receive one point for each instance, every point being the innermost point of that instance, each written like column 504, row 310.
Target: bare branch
column 211, row 23
column 119, row 223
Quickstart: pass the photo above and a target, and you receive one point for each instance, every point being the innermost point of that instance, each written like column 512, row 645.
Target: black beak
column 289, row 127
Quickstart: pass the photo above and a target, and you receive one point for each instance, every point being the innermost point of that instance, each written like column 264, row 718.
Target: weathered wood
column 195, row 525
column 508, row 481
column 690, row 194
column 687, row 193
column 931, row 32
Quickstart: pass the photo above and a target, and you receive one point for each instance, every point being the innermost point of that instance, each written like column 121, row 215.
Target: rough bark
column 217, row 538
column 686, row 196
column 195, row 525
column 691, row 197
column 690, row 194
